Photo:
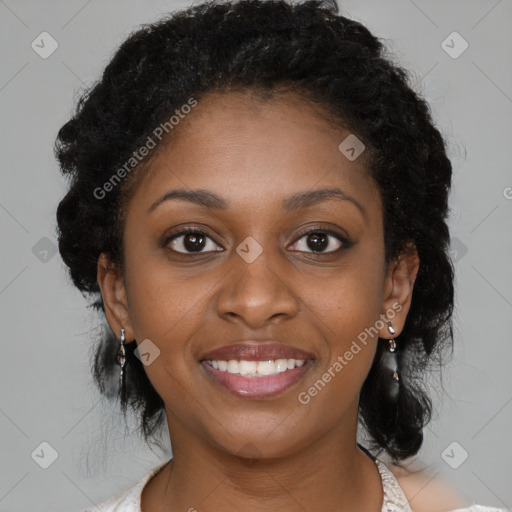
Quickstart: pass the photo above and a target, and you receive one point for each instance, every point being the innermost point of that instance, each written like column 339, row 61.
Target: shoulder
column 125, row 501
column 425, row 491
column 129, row 499
column 428, row 493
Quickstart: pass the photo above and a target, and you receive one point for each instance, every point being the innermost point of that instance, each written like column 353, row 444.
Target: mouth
column 257, row 370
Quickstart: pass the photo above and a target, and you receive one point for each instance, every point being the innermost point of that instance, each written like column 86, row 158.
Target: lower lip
column 258, row 387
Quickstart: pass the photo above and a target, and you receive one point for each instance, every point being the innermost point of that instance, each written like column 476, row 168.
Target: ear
column 398, row 287
column 111, row 282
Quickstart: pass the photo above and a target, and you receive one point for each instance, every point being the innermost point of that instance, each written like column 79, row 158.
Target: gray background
column 47, row 394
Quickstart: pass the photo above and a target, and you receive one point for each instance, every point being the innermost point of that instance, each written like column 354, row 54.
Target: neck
column 330, row 474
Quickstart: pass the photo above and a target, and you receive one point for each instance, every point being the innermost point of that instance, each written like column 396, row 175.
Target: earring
column 121, row 359
column 392, row 350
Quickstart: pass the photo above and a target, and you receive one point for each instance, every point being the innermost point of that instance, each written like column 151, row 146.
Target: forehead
column 254, row 150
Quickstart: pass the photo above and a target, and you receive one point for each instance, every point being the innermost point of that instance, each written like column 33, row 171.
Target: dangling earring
column 121, row 359
column 392, row 350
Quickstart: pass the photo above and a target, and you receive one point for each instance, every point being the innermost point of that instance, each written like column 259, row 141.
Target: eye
column 191, row 241
column 319, row 240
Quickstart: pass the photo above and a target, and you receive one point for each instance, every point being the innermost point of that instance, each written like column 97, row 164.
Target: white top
column 394, row 498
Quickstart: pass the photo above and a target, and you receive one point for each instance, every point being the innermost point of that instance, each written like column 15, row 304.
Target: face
column 272, row 271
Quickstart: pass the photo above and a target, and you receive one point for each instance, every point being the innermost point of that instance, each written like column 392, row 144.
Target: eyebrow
column 295, row 202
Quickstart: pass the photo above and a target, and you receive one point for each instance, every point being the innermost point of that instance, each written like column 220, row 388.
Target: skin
column 233, row 453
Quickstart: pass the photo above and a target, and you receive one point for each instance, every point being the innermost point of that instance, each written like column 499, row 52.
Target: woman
column 258, row 208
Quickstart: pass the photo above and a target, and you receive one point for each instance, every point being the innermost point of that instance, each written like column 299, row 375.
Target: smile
column 256, row 370
column 258, row 384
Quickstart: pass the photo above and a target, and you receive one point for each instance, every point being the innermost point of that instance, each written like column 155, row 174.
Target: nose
column 257, row 293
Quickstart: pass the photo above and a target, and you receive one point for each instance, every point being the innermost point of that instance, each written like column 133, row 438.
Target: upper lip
column 255, row 351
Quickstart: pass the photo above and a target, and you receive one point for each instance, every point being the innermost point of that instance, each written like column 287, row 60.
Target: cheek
column 347, row 310
column 350, row 301
column 346, row 357
column 164, row 308
column 157, row 292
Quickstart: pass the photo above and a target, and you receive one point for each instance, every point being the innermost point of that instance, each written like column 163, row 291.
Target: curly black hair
column 268, row 46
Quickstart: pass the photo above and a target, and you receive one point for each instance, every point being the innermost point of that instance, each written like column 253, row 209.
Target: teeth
column 247, row 367
column 233, row 367
column 256, row 368
column 282, row 365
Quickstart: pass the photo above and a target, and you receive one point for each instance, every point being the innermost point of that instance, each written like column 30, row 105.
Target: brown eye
column 191, row 241
column 318, row 241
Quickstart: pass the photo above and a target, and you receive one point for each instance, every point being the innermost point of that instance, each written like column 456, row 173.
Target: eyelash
column 345, row 243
